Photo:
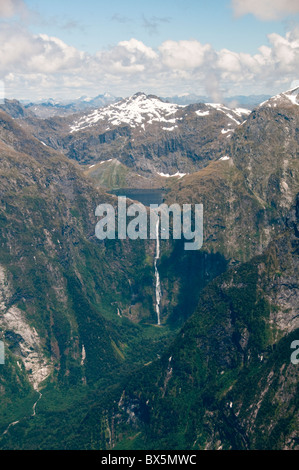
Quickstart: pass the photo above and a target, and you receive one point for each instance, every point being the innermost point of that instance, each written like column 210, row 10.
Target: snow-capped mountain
column 151, row 135
column 79, row 312
column 287, row 97
column 272, row 161
column 141, row 110
column 143, row 132
column 137, row 111
column 235, row 116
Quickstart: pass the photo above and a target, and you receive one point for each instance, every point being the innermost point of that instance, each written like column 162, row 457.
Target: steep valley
column 78, row 315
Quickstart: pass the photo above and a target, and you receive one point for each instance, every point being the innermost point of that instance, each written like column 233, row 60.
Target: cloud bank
column 266, row 9
column 32, row 64
column 10, row 8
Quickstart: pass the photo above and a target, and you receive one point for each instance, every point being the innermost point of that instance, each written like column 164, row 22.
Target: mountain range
column 144, row 133
column 50, row 107
column 86, row 364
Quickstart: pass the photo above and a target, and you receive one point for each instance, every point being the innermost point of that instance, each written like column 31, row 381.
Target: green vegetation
column 216, row 373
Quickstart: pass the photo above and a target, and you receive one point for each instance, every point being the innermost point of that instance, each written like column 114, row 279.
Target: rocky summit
column 143, row 132
column 88, row 363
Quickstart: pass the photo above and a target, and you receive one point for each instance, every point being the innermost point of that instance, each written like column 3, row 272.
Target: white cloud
column 10, row 8
column 137, row 47
column 23, row 52
column 127, row 57
column 230, row 61
column 266, row 9
column 32, row 64
column 183, row 55
column 55, row 56
column 273, row 66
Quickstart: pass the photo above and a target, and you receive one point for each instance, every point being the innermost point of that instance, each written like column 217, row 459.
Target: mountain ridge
column 216, row 373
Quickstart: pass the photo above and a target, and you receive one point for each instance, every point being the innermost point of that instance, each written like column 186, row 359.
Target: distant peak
column 136, row 111
column 138, row 94
column 291, row 95
column 292, row 91
column 141, row 94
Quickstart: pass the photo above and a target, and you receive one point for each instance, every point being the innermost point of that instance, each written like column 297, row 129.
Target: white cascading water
column 33, row 414
column 34, row 406
column 158, row 285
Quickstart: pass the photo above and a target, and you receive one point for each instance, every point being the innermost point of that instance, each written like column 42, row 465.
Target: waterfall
column 158, row 285
column 8, row 428
column 33, row 414
column 34, row 406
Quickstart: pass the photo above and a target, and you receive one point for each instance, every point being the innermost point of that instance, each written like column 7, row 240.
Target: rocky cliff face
column 144, row 133
column 227, row 382
column 151, row 136
column 78, row 315
column 61, row 288
column 265, row 149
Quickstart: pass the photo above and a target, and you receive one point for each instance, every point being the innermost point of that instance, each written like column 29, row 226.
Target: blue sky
column 67, row 48
column 92, row 24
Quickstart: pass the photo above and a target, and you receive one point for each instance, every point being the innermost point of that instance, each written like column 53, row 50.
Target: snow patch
column 225, row 110
column 224, row 158
column 169, row 128
column 292, row 98
column 167, row 175
column 242, row 111
column 291, row 95
column 137, row 110
column 202, row 113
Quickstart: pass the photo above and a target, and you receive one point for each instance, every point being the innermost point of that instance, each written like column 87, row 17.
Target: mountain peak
column 135, row 111
column 285, row 97
column 292, row 95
